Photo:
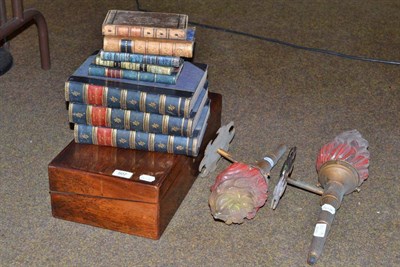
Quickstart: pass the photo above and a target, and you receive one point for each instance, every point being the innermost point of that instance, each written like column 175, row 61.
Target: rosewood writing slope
column 83, row 188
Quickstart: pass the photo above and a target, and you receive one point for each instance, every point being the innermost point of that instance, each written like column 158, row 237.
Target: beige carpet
column 273, row 93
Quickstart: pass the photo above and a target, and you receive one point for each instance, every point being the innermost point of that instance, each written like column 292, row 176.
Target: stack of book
column 140, row 91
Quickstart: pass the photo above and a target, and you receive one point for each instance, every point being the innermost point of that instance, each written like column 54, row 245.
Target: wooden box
column 83, row 188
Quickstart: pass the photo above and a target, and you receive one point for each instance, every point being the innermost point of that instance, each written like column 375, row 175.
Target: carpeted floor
column 273, row 93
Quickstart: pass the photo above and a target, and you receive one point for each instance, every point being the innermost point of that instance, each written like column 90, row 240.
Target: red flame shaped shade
column 350, row 147
column 239, row 192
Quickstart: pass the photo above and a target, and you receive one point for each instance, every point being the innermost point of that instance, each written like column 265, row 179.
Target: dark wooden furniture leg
column 22, row 18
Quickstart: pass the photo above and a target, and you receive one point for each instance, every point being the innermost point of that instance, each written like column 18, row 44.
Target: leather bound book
column 167, row 61
column 135, row 120
column 170, row 99
column 143, row 140
column 145, row 24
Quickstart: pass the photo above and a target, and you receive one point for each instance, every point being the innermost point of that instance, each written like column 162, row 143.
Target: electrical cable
column 280, row 42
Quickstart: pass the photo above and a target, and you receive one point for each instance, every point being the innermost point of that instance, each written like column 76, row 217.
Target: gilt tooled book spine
column 189, row 146
column 170, row 99
column 177, row 48
column 137, row 66
column 145, row 24
column 96, row 70
column 112, row 97
column 86, row 134
column 167, row 61
column 129, row 120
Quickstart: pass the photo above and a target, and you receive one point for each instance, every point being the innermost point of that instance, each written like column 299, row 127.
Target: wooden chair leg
column 39, row 20
column 20, row 20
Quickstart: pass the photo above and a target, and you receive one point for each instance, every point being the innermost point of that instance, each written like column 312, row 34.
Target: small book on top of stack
column 139, row 91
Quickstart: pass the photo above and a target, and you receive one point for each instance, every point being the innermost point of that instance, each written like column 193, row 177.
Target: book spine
column 129, row 120
column 149, row 46
column 95, row 70
column 145, row 32
column 86, row 134
column 136, row 66
column 167, row 61
column 109, row 28
column 77, row 92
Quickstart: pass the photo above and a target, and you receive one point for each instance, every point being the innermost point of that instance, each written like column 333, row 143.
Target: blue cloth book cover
column 174, row 100
column 136, row 120
column 189, row 146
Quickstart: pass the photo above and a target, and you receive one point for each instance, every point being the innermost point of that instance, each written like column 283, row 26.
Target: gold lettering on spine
column 165, row 123
column 127, row 117
column 104, row 96
column 132, row 139
column 123, row 97
column 103, row 63
column 186, row 108
column 170, row 144
column 89, row 115
column 94, row 135
column 151, row 141
column 142, row 102
column 127, row 65
column 146, row 122
column 108, row 117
